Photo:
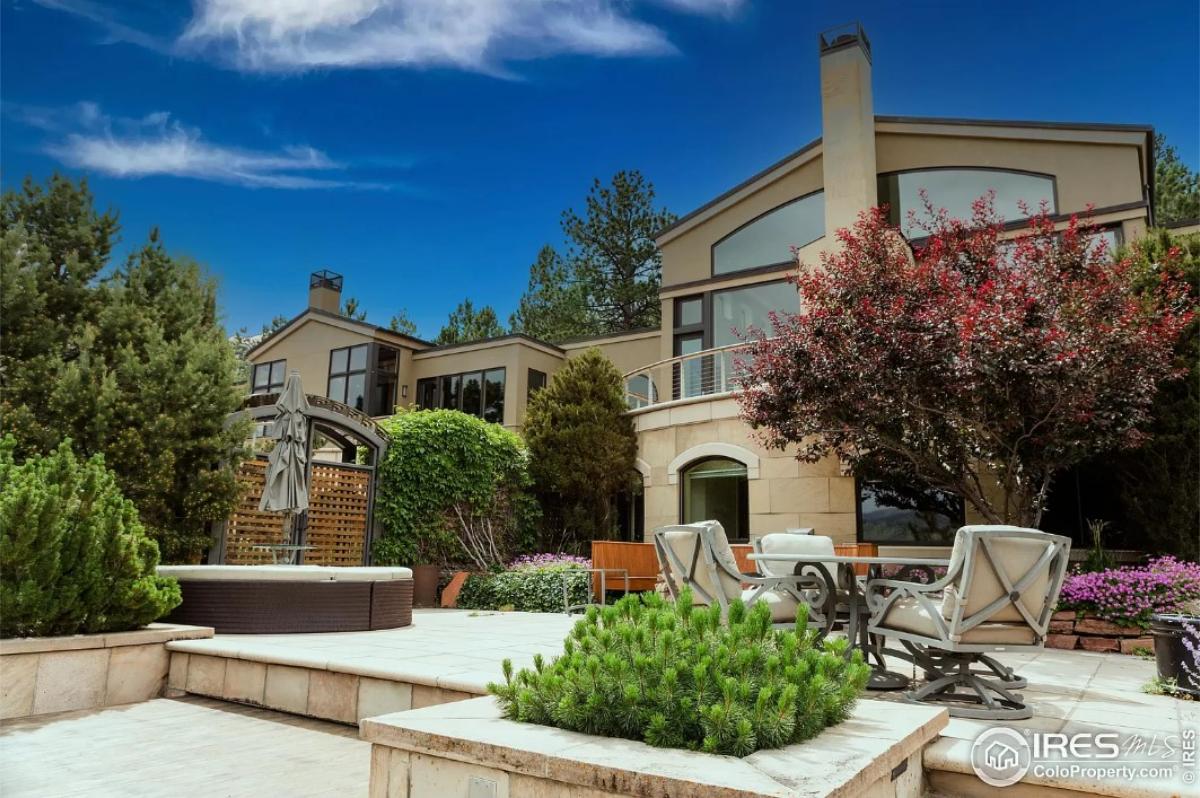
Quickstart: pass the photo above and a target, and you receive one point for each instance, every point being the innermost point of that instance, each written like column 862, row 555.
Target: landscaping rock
column 1099, row 644
column 1095, row 626
column 1064, row 615
column 1062, row 627
column 1129, row 644
column 1061, row 641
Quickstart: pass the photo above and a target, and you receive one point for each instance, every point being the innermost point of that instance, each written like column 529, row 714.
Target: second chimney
column 325, row 291
column 847, row 126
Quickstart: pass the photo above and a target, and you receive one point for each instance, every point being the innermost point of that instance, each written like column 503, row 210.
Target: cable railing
column 707, row 373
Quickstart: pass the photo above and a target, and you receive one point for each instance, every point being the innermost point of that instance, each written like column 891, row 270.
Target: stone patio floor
column 180, row 747
column 460, row 650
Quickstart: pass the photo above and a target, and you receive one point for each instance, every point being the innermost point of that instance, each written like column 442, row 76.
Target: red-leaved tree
column 970, row 364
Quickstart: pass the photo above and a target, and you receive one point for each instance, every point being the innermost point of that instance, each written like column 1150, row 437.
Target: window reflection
column 717, row 489
column 898, row 513
column 956, row 189
column 768, row 240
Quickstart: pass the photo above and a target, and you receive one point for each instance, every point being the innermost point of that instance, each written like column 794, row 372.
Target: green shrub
column 527, row 588
column 452, row 486
column 674, row 675
column 76, row 557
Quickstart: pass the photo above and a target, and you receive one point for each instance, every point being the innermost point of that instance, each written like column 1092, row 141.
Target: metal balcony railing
column 708, row 373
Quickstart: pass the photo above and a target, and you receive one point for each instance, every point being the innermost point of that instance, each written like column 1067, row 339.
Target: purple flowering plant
column 548, row 560
column 1129, row 596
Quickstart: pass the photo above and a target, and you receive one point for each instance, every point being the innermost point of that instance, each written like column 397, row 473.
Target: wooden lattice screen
column 248, row 526
column 337, row 513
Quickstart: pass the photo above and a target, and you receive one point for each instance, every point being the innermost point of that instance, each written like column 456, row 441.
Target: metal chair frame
column 807, row 589
column 947, row 660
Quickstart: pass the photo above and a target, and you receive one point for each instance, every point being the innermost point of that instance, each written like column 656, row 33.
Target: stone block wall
column 1068, row 631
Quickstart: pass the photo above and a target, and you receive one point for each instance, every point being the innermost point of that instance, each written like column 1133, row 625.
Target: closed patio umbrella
column 285, row 490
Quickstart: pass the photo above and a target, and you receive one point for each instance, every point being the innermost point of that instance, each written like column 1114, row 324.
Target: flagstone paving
column 180, row 748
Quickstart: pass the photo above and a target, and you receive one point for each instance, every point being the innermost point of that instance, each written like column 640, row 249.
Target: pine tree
column 1176, row 187
column 554, row 306
column 76, row 558
column 135, row 366
column 468, row 324
column 582, row 447
column 351, row 310
column 401, row 323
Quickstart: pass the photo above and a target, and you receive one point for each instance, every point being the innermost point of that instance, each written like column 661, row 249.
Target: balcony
column 711, row 373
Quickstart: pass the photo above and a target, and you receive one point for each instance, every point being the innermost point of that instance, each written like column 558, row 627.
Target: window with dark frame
column 537, row 381
column 901, row 515
column 268, row 377
column 479, row 393
column 348, row 376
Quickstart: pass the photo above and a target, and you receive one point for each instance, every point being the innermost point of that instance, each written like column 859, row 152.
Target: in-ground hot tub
column 263, row 599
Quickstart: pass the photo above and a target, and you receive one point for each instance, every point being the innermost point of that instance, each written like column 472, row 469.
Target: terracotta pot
column 425, row 585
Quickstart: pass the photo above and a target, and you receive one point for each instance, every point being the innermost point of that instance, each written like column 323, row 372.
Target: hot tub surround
column 261, row 599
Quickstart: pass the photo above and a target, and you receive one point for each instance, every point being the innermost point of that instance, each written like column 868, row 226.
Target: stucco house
column 724, row 269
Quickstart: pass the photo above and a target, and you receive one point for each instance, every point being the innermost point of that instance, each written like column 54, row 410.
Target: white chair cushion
column 1015, row 556
column 783, row 606
column 908, row 615
column 788, row 543
column 682, row 541
column 806, row 530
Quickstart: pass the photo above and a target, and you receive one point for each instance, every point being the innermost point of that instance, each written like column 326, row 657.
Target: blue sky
column 426, row 149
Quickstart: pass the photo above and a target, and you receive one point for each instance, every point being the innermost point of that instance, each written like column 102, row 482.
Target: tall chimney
column 847, row 125
column 325, row 291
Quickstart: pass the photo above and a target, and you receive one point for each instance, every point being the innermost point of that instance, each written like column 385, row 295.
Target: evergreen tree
column 554, row 306
column 76, row 558
column 1176, row 187
column 468, row 324
column 273, row 326
column 613, row 254
column 134, row 366
column 351, row 310
column 401, row 323
column 609, row 280
column 582, row 447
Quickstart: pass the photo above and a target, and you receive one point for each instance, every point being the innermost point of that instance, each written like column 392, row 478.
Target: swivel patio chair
column 827, row 602
column 998, row 594
column 697, row 556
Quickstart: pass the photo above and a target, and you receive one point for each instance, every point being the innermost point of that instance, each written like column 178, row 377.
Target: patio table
column 288, row 550
column 856, row 633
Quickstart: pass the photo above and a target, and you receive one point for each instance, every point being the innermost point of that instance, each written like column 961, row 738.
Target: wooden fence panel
column 248, row 526
column 338, row 500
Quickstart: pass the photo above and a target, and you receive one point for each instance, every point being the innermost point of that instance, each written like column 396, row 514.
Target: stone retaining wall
column 40, row 675
column 1090, row 633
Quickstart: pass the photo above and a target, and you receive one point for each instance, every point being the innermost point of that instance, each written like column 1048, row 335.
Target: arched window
column 640, row 391
column 768, row 240
column 716, row 488
column 956, row 188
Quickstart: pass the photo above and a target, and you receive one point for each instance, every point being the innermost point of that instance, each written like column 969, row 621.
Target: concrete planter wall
column 1095, row 634
column 466, row 750
column 40, row 675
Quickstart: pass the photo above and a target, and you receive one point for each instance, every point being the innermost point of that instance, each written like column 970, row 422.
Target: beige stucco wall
column 627, row 352
column 306, row 348
column 516, row 356
column 783, row 492
column 1100, row 174
column 689, row 257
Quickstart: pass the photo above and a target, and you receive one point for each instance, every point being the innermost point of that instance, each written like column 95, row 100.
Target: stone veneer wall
column 783, row 492
column 310, row 691
column 1068, row 631
column 40, row 675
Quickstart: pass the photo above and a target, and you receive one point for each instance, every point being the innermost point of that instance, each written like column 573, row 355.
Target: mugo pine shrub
column 674, row 675
column 76, row 557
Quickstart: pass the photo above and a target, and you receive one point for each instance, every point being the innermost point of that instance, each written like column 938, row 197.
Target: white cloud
column 478, row 35
column 474, row 35
column 157, row 144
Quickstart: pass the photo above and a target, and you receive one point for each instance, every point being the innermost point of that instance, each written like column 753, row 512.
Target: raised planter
column 1170, row 653
column 40, row 675
column 466, row 748
column 425, row 585
column 1068, row 631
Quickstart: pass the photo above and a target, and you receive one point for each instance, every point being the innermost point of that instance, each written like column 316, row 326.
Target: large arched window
column 956, row 188
column 768, row 240
column 716, row 488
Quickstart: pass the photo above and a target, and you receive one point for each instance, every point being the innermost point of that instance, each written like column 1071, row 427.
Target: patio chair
column 698, row 556
column 998, row 594
column 801, row 541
